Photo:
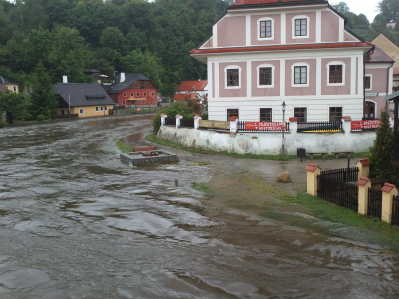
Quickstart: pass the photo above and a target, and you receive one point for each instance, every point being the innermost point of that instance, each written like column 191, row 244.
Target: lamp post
column 283, row 108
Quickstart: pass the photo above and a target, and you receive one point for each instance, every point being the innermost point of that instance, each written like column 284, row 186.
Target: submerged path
column 77, row 223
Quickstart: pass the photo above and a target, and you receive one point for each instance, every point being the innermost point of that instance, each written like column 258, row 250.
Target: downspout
column 368, row 53
column 386, row 102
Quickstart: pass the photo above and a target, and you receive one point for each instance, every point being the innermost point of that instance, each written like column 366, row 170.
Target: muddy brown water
column 77, row 223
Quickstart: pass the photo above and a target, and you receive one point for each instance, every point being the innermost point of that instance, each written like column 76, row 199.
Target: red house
column 133, row 89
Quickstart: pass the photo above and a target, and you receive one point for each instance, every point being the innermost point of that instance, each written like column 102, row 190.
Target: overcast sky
column 367, row 7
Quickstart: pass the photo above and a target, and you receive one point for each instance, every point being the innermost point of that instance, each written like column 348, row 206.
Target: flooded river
column 77, row 223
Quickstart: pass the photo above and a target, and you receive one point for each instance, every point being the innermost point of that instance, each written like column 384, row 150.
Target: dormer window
column 265, row 29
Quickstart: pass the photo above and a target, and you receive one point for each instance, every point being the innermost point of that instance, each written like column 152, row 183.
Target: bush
column 41, row 117
column 204, row 116
column 2, row 123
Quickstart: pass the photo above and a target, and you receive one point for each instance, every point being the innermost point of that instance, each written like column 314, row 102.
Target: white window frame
column 97, row 109
column 266, row 108
column 231, row 67
column 81, row 111
column 293, row 74
column 272, row 29
column 257, row 72
column 105, row 108
column 307, row 26
column 371, row 81
column 343, row 73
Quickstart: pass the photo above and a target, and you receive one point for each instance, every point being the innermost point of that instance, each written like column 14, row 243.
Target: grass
column 203, row 188
column 124, row 147
column 327, row 211
column 153, row 138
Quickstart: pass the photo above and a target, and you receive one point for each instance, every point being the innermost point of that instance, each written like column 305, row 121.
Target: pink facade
column 338, row 90
column 264, row 92
column 349, row 38
column 329, row 27
column 312, row 28
column 300, row 90
column 378, row 80
column 233, row 91
column 231, row 32
column 209, row 43
column 276, row 30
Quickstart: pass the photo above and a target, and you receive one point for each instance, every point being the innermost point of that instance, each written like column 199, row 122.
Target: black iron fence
column 342, row 174
column 374, row 203
column 263, row 127
column 170, row 121
column 188, row 123
column 320, row 126
column 395, row 211
column 338, row 192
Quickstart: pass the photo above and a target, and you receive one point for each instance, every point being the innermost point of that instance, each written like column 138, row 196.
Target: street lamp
column 283, row 105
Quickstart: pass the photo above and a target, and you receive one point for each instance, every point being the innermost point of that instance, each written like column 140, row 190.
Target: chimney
column 64, row 79
column 122, row 77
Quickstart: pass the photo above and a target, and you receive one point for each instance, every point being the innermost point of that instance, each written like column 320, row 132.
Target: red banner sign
column 365, row 124
column 264, row 126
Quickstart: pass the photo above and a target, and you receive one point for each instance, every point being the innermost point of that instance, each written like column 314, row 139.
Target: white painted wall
column 270, row 143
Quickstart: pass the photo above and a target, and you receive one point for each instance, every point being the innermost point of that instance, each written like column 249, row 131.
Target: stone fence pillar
column 178, row 118
column 293, row 124
column 197, row 119
column 346, row 126
column 313, row 170
column 364, row 168
column 234, row 126
column 388, row 191
column 363, row 195
column 163, row 119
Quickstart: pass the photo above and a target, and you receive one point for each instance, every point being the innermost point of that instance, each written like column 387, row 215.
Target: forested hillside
column 69, row 36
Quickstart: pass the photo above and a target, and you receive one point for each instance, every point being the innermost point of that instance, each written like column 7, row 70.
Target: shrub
column 41, row 117
column 204, row 116
column 2, row 123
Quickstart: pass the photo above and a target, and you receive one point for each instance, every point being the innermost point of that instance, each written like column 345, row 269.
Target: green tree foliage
column 12, row 104
column 381, row 153
column 341, row 7
column 390, row 9
column 44, row 100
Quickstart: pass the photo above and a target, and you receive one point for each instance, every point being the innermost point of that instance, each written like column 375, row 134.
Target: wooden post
column 363, row 184
column 313, row 170
column 388, row 191
column 364, row 168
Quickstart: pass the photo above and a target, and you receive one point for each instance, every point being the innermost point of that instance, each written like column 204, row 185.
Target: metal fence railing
column 188, row 123
column 170, row 121
column 374, row 207
column 342, row 174
column 320, row 126
column 259, row 127
column 395, row 211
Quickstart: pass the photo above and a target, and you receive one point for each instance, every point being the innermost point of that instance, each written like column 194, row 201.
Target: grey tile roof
column 4, row 80
column 83, row 94
column 130, row 78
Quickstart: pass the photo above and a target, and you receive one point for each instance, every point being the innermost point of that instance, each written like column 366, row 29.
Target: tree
column 381, row 153
column 390, row 9
column 11, row 104
column 341, row 7
column 44, row 100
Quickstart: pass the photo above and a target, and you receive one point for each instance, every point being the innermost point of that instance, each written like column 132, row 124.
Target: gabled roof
column 195, row 85
column 396, row 71
column 130, row 78
column 83, row 94
column 185, row 96
column 261, row 3
column 379, row 56
column 4, row 80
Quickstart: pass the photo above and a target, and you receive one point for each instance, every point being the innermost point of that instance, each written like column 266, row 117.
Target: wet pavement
column 77, row 223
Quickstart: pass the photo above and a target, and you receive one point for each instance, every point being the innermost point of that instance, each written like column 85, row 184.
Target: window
column 15, row 89
column 232, row 113
column 265, row 29
column 335, row 74
column 300, row 75
column 102, row 108
column 145, row 94
column 123, row 102
column 266, row 114
column 335, row 113
column 131, row 94
column 96, row 109
column 233, row 77
column 81, row 110
column 105, row 108
column 124, row 94
column 137, row 94
column 152, row 93
column 142, row 84
column 367, row 82
column 62, row 111
column 301, row 28
column 151, row 103
column 300, row 114
column 265, row 76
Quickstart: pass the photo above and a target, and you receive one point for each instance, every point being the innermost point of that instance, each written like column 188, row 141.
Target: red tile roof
column 396, row 70
column 185, row 96
column 387, row 187
column 379, row 56
column 281, row 48
column 362, row 181
column 196, row 85
column 263, row 2
column 365, row 162
column 346, row 118
column 311, row 167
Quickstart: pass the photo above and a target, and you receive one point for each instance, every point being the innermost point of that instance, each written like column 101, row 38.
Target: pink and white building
column 264, row 52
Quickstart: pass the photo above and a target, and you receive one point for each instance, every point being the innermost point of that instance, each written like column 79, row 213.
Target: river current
column 77, row 223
